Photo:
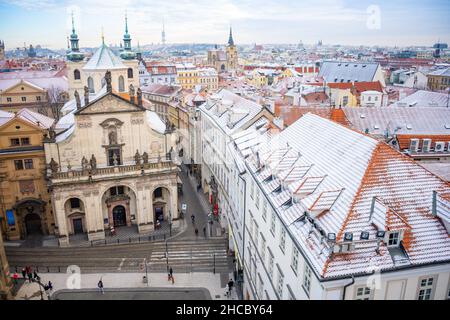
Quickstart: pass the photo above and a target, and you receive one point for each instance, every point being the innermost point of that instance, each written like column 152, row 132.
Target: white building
column 371, row 98
column 334, row 214
column 157, row 74
column 223, row 115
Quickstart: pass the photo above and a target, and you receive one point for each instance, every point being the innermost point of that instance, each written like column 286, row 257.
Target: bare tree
column 56, row 97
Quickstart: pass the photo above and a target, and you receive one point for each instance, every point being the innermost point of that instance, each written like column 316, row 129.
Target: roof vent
column 408, row 126
column 362, row 116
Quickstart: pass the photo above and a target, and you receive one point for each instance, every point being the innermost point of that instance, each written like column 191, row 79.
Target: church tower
column 75, row 61
column 231, row 51
column 127, row 53
column 2, row 50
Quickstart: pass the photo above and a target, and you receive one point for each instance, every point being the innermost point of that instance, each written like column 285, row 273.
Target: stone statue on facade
column 84, row 163
column 145, row 157
column 108, row 81
column 139, row 97
column 77, row 99
column 93, row 163
column 112, row 137
column 131, row 93
column 86, row 95
column 53, row 165
column 115, row 160
column 52, row 133
column 137, row 158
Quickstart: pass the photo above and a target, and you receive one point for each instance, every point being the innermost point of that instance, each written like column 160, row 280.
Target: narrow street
column 187, row 252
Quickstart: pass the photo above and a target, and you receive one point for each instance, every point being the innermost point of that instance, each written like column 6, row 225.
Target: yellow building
column 24, row 199
column 439, row 79
column 258, row 78
column 187, row 76
column 36, row 94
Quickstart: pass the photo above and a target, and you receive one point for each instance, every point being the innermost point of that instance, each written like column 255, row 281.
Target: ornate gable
column 110, row 103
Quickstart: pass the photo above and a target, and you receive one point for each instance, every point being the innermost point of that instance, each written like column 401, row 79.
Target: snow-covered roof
column 32, row 117
column 399, row 120
column 155, row 122
column 335, row 173
column 104, row 59
column 221, row 106
column 335, row 71
column 39, row 83
column 423, row 98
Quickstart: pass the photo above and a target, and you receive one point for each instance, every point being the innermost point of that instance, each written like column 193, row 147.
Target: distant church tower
column 231, row 51
column 127, row 53
column 2, row 50
column 163, row 35
column 75, row 61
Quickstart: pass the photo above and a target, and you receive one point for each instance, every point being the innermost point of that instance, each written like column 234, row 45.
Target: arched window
column 90, row 83
column 121, row 84
column 76, row 74
column 130, row 73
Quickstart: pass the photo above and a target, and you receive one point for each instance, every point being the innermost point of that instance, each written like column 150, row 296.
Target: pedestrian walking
column 196, row 232
column 204, row 231
column 35, row 276
column 171, row 272
column 193, row 218
column 50, row 286
column 30, row 277
column 24, row 273
column 230, row 286
column 15, row 278
column 100, row 286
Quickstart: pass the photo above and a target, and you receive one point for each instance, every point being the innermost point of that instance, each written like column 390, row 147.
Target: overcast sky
column 382, row 22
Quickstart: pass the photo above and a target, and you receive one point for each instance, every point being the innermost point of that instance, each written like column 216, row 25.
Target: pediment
column 109, row 103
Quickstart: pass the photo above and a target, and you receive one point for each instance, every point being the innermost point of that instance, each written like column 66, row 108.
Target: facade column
column 144, row 209
column 61, row 221
column 93, row 215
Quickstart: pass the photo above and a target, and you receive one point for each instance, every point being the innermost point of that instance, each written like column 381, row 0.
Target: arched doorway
column 119, row 206
column 119, row 216
column 75, row 213
column 31, row 217
column 161, row 204
column 33, row 224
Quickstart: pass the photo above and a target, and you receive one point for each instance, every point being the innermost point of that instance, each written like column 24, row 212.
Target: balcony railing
column 79, row 174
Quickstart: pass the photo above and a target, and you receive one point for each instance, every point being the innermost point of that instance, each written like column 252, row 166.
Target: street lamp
column 170, row 223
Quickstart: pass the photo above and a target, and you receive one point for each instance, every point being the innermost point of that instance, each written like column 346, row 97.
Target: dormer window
column 394, row 239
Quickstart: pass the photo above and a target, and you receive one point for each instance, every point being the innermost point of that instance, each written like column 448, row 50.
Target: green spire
column 73, row 25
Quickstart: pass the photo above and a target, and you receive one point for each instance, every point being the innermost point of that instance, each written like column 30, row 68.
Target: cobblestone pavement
column 197, row 205
column 127, row 282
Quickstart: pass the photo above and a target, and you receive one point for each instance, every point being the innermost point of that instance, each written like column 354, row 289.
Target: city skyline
column 364, row 23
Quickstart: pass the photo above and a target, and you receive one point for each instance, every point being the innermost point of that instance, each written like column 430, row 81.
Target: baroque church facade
column 109, row 161
column 222, row 60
